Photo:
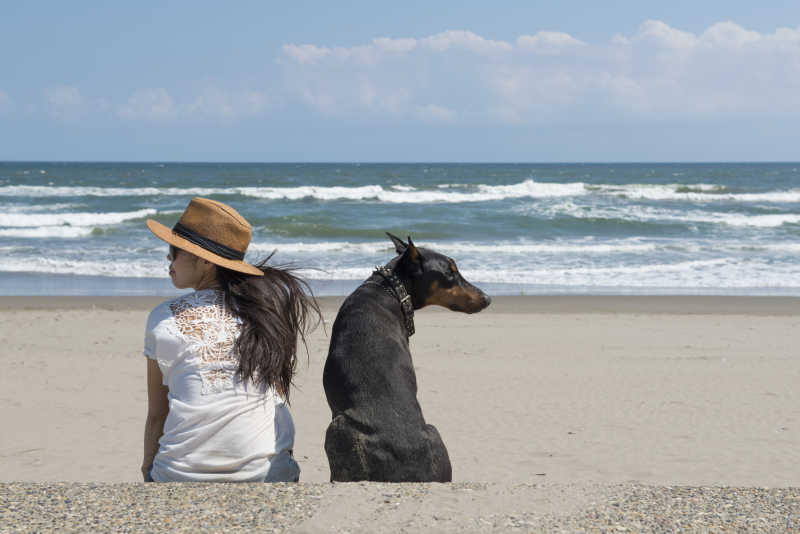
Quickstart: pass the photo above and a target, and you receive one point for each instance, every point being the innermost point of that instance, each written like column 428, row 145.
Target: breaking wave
column 451, row 193
column 18, row 220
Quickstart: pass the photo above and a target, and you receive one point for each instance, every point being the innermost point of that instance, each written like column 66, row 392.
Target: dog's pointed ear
column 412, row 252
column 399, row 246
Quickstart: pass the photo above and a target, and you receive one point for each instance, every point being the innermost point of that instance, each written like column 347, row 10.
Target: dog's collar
column 398, row 290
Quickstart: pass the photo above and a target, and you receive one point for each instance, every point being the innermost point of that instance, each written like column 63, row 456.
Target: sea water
column 672, row 228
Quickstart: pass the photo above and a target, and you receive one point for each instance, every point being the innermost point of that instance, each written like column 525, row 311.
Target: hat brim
column 166, row 234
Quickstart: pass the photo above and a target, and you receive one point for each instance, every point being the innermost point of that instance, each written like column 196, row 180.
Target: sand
column 551, row 408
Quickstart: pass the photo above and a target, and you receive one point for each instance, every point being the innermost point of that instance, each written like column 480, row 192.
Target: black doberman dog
column 378, row 431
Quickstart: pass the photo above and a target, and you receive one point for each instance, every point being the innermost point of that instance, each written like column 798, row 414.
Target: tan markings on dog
column 454, row 296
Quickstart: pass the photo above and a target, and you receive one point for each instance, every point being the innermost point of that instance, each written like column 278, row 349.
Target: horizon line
column 389, row 162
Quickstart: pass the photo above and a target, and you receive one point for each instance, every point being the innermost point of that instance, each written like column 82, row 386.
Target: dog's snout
column 476, row 300
column 483, row 301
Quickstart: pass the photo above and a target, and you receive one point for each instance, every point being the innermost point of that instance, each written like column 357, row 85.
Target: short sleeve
column 150, row 342
column 159, row 344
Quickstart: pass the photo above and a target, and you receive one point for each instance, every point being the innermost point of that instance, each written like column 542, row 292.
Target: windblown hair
column 275, row 310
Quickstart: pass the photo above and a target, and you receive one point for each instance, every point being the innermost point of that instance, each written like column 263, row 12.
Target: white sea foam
column 326, row 247
column 22, row 220
column 47, row 231
column 791, row 248
column 693, row 193
column 88, row 191
column 39, row 264
column 717, row 273
column 444, row 193
column 410, row 195
column 376, row 251
column 730, row 219
column 638, row 213
column 760, row 221
column 725, row 271
column 458, row 248
column 713, row 273
column 36, row 208
column 621, row 247
column 394, row 194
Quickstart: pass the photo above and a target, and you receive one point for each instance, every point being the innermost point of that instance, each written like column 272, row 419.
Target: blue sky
column 400, row 81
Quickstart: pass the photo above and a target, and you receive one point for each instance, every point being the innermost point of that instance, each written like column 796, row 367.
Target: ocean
column 628, row 228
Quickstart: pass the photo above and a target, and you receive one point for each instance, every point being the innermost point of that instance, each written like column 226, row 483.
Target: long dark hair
column 275, row 310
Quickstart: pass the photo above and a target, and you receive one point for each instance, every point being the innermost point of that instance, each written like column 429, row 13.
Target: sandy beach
column 550, row 407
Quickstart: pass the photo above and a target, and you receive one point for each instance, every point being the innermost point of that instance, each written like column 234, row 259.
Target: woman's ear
column 207, row 265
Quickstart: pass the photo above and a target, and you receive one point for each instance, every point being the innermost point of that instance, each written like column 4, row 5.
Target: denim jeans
column 283, row 468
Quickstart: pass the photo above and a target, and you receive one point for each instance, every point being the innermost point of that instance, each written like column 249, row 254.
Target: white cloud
column 728, row 34
column 366, row 54
column 5, row 102
column 455, row 76
column 725, row 71
column 64, row 102
column 306, row 53
column 657, row 33
column 459, row 39
column 215, row 102
column 344, row 81
column 399, row 46
column 149, row 104
column 152, row 104
column 433, row 113
column 549, row 43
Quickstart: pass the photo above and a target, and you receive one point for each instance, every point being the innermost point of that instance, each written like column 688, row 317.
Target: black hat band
column 208, row 244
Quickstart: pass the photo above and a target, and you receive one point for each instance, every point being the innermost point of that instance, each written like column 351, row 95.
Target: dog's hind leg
column 441, row 471
column 346, row 451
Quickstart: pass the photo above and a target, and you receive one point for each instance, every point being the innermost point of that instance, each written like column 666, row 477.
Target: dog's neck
column 388, row 279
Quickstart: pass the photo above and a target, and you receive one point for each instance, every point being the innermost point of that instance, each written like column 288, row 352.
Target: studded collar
column 398, row 290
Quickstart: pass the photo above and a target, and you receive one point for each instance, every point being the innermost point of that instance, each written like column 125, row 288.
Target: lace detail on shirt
column 211, row 331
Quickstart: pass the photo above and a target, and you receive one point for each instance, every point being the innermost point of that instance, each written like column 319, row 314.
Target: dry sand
column 549, row 407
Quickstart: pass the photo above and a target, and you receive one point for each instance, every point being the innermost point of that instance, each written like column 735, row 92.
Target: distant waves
column 588, row 228
column 444, row 193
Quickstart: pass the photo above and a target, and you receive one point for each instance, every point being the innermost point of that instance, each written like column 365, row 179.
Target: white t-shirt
column 218, row 428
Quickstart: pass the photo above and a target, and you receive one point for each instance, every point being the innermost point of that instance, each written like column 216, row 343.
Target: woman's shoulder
column 167, row 309
column 204, row 297
column 159, row 314
column 197, row 303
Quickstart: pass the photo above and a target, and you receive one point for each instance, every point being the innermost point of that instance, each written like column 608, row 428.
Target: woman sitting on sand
column 221, row 359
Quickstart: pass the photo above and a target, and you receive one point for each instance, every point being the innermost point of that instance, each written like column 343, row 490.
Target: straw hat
column 213, row 231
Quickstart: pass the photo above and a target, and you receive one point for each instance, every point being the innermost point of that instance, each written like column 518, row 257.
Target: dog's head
column 435, row 279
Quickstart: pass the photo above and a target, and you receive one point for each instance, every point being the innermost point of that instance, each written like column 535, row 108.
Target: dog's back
column 378, row 431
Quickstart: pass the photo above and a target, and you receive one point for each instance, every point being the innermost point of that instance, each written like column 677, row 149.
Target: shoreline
column 35, row 284
column 505, row 304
